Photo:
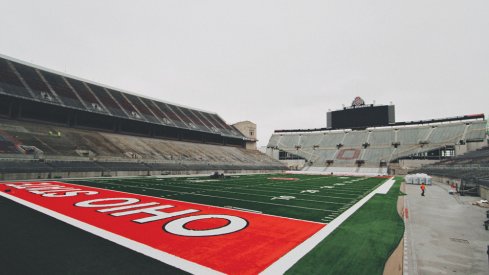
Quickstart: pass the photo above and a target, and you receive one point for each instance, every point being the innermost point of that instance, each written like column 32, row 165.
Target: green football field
column 305, row 197
column 360, row 245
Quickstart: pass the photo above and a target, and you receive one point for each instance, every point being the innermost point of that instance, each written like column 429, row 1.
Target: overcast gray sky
column 281, row 64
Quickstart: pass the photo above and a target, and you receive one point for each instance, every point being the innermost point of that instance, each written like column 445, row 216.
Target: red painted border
column 263, row 241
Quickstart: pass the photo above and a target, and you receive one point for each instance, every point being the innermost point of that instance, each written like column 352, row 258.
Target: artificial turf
column 359, row 246
column 312, row 198
column 34, row 243
column 362, row 244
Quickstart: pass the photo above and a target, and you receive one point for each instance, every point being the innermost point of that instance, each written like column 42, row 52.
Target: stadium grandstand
column 375, row 143
column 55, row 125
column 470, row 171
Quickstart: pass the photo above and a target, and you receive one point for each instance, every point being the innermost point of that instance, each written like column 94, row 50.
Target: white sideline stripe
column 384, row 188
column 167, row 258
column 293, row 256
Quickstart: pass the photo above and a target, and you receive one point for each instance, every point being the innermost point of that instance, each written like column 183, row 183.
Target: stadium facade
column 53, row 125
column 376, row 144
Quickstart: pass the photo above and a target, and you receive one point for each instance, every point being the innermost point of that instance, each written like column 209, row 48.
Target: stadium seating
column 412, row 135
column 74, row 166
column 331, row 140
column 74, row 150
column 63, row 91
column 7, row 146
column 143, row 108
column 108, row 101
column 36, row 84
column 355, row 138
column 19, row 166
column 472, row 169
column 382, row 137
column 10, row 82
column 323, row 149
column 86, row 96
column 125, row 132
column 476, row 131
column 26, row 81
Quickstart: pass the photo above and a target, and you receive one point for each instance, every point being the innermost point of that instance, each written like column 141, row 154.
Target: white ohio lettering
column 177, row 226
column 156, row 215
column 70, row 194
column 94, row 203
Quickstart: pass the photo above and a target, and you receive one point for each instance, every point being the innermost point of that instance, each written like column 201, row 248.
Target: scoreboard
column 360, row 115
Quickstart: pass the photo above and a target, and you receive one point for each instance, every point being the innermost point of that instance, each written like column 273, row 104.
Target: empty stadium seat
column 75, row 150
column 324, row 149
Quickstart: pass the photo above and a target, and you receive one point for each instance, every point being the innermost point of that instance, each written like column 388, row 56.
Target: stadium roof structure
column 34, row 83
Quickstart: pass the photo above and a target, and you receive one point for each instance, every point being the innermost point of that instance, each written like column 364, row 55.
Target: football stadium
column 221, row 137
column 95, row 167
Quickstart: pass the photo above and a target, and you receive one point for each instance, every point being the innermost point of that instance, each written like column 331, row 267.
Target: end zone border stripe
column 293, row 256
column 139, row 247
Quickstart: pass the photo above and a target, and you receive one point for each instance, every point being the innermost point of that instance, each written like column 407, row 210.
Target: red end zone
column 221, row 239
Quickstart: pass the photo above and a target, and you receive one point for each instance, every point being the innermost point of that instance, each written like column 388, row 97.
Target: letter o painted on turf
column 95, row 203
column 177, row 226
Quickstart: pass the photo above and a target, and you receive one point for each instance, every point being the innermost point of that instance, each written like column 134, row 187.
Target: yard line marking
column 298, row 185
column 271, row 215
column 283, row 205
column 331, row 190
column 222, row 184
column 256, row 187
column 291, row 258
column 275, row 191
column 211, row 190
column 232, row 192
